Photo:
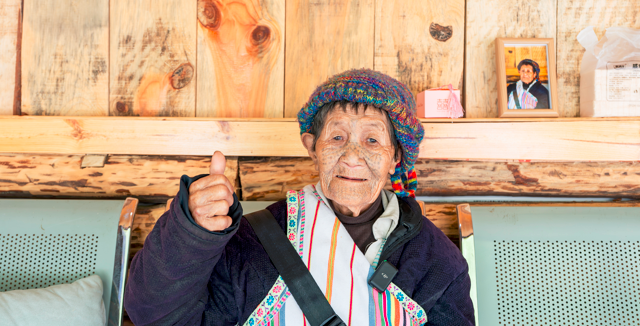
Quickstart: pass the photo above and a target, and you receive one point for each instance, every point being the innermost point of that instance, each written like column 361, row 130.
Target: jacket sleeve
column 454, row 307
column 169, row 276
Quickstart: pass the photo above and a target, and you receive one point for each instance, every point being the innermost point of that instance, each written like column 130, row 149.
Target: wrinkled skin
column 354, row 157
column 527, row 75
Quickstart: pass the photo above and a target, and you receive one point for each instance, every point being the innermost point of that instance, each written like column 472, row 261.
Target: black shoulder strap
column 516, row 99
column 294, row 272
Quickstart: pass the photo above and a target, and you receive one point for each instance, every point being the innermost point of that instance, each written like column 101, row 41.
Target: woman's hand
column 210, row 197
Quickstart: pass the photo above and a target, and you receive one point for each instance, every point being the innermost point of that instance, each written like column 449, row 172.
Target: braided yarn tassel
column 404, row 185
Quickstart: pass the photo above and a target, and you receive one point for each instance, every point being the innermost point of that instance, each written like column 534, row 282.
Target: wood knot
column 182, row 76
column 209, row 14
column 121, row 107
column 440, row 33
column 260, row 35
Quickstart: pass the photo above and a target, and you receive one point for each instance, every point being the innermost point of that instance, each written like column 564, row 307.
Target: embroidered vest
column 339, row 268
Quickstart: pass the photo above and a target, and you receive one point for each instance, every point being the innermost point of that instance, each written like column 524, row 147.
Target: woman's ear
column 307, row 142
column 394, row 162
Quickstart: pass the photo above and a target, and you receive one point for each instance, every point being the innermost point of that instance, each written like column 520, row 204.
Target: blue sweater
column 186, row 275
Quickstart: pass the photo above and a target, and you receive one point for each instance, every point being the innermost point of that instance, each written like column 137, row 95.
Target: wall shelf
column 564, row 139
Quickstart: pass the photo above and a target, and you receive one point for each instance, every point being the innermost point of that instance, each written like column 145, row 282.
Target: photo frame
column 526, row 69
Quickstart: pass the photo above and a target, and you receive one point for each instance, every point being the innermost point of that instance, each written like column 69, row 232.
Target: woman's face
column 527, row 74
column 354, row 157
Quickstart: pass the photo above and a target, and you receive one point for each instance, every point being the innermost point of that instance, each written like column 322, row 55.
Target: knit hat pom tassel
column 404, row 185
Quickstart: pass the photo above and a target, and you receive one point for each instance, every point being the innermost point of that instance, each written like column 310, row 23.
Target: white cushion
column 78, row 303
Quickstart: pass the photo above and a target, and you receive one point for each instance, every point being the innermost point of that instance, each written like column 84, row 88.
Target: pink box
column 434, row 103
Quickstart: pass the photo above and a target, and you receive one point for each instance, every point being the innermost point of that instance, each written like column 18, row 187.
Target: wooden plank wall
column 263, row 58
column 153, row 58
column 10, row 14
column 241, row 58
column 419, row 42
column 324, row 38
column 573, row 16
column 65, row 57
column 487, row 20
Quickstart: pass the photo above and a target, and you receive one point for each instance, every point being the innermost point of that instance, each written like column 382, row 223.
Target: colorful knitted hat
column 536, row 67
column 381, row 91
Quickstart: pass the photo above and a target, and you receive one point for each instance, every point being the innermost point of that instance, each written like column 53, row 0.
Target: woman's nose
column 352, row 155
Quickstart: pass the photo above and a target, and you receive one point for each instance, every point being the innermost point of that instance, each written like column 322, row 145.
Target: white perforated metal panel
column 567, row 282
column 26, row 261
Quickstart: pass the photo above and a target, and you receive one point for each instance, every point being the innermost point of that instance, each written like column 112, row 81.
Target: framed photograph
column 526, row 69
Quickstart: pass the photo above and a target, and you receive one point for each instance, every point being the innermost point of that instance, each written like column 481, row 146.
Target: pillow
column 78, row 303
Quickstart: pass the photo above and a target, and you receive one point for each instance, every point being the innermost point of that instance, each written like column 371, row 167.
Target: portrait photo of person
column 528, row 92
column 527, row 78
column 525, row 71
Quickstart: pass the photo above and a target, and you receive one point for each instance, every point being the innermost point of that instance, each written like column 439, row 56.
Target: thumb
column 218, row 163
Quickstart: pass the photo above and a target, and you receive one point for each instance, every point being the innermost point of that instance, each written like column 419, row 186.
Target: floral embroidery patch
column 270, row 306
column 301, row 222
column 292, row 216
column 410, row 306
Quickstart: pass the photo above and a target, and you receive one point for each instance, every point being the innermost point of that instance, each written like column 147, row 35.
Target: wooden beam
column 544, row 140
column 10, row 11
column 485, row 21
column 271, row 178
column 149, row 178
column 65, row 58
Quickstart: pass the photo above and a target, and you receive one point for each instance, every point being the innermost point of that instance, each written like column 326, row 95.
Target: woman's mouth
column 350, row 178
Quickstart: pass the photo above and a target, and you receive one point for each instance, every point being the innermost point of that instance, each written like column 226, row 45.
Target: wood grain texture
column 562, row 140
column 153, row 58
column 324, row 38
column 486, row 20
column 9, row 27
column 545, row 179
column 240, row 58
column 271, row 178
column 444, row 217
column 145, row 177
column 146, row 217
column 420, row 60
column 573, row 17
column 65, row 57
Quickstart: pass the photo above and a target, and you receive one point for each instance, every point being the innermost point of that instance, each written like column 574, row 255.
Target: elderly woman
column 528, row 92
column 203, row 263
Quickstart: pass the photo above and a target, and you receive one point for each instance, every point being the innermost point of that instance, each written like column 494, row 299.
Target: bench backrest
column 46, row 242
column 553, row 265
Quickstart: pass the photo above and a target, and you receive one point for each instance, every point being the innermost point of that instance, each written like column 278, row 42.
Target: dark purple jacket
column 186, row 275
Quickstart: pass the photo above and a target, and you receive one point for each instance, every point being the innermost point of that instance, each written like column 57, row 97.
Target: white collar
column 384, row 225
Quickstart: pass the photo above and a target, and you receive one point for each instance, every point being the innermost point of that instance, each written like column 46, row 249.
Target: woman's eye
column 372, row 140
column 337, row 138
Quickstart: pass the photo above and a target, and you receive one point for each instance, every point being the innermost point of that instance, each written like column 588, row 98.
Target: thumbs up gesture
column 210, row 197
